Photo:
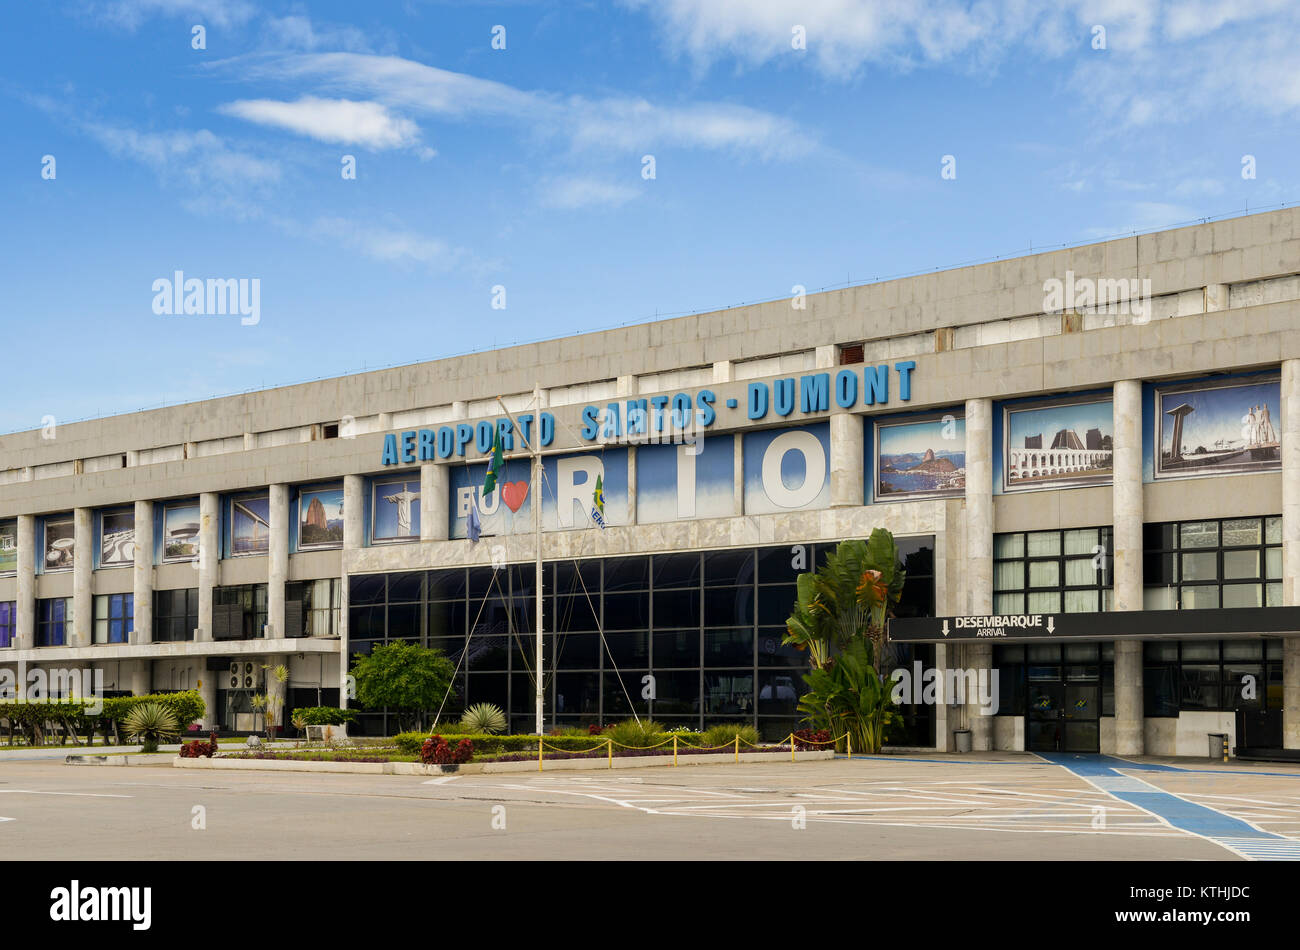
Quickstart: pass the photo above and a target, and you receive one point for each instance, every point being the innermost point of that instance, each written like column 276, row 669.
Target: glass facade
column 175, row 615
column 689, row 639
column 53, row 621
column 1228, row 562
column 1220, row 675
column 8, row 623
column 114, row 617
column 1050, row 572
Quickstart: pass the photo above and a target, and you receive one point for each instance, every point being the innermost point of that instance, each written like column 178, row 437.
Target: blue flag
column 473, row 527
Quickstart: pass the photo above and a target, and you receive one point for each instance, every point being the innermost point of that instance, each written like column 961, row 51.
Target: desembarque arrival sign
column 1131, row 624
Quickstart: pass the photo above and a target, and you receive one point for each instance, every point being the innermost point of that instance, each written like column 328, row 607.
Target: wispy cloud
column 130, row 14
column 621, row 123
column 581, row 192
column 330, row 120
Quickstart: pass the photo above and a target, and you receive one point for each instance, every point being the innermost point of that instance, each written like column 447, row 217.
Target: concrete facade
column 1225, row 298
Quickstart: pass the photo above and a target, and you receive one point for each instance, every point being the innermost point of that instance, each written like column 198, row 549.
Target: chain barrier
column 608, row 743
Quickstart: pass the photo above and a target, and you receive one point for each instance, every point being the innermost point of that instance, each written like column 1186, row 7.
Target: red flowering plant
column 200, row 749
column 812, row 740
column 438, row 751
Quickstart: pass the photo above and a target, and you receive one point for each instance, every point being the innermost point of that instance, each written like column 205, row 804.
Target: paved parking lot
column 923, row 807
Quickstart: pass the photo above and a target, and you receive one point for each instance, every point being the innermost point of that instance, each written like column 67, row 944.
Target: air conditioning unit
column 243, row 675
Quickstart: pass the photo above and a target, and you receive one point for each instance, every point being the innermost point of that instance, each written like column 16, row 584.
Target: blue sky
column 523, row 167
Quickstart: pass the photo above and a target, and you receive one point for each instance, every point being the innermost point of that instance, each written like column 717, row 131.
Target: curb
column 488, row 768
column 158, row 758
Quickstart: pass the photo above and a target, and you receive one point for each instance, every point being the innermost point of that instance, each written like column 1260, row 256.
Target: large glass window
column 114, row 617
column 1217, row 675
column 53, row 621
column 689, row 638
column 319, row 604
column 175, row 614
column 1059, row 571
column 239, row 613
column 8, row 623
column 1199, row 565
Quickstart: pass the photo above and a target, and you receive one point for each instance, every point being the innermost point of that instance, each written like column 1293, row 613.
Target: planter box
column 327, row 733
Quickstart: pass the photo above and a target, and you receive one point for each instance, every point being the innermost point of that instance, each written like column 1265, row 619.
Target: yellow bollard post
column 539, row 753
column 849, row 737
column 792, row 747
column 674, row 750
column 610, row 744
column 738, row 747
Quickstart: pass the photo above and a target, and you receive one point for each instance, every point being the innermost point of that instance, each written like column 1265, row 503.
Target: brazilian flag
column 495, row 467
column 598, row 503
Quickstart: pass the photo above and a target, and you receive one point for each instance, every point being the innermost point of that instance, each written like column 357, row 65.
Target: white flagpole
column 534, row 448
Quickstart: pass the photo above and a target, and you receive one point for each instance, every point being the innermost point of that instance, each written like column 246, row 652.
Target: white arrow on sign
column 1051, row 624
column 945, row 628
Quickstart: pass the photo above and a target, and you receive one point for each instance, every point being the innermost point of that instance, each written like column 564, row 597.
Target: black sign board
column 1113, row 625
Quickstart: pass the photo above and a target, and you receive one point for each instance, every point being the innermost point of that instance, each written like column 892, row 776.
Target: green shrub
column 324, row 716
column 453, row 727
column 151, row 723
column 484, row 717
column 186, row 706
column 725, row 734
column 638, row 735
column 409, row 743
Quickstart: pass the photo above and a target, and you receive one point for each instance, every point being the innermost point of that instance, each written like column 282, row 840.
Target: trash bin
column 1219, row 745
column 962, row 737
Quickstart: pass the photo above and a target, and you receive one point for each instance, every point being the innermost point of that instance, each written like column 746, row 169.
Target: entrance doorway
column 1064, row 698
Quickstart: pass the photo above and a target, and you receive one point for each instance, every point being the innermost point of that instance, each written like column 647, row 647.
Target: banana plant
column 848, row 696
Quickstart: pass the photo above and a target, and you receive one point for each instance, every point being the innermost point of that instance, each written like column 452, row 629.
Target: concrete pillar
column 143, row 575
column 209, row 558
column 142, row 677
column 354, row 506
column 846, row 459
column 26, row 621
column 1127, row 514
column 1290, row 548
column 208, row 693
column 83, row 569
column 435, row 501
column 278, row 561
column 353, row 536
column 979, row 553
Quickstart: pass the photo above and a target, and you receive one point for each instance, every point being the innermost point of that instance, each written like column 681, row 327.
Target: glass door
column 1064, row 708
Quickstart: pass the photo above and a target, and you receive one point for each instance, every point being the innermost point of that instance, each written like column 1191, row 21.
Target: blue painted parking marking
column 1234, row 834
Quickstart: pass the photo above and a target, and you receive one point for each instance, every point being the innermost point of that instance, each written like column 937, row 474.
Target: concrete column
column 435, row 502
column 846, row 459
column 208, row 693
column 141, row 677
column 83, row 568
column 1290, row 548
column 209, row 558
column 26, row 620
column 143, row 576
column 1127, row 514
column 979, row 553
column 278, row 561
column 354, row 506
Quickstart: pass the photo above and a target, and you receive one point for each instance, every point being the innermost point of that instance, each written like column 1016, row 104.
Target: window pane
column 1273, row 595
column 1046, row 602
column 1273, row 562
column 1009, row 575
column 1200, row 597
column 1043, row 543
column 1044, row 574
column 1080, row 541
column 1199, row 534
column 1240, row 564
column 1273, row 530
column 728, row 692
column 1159, row 598
column 1243, row 649
column 676, row 648
column 1080, row 572
column 1239, row 531
column 1159, row 537
column 1009, row 545
column 1202, row 650
column 1199, row 687
column 1081, row 601
column 1159, row 569
column 728, row 568
column 729, row 647
column 1009, row 603
column 1243, row 595
column 1243, row 686
column 677, row 608
column 1201, row 567
column 734, row 606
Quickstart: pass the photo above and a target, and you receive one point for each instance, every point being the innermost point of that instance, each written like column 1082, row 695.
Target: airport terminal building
column 1090, row 459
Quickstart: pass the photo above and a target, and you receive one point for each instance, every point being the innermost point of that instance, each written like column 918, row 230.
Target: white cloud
column 130, row 14
column 330, row 120
column 299, row 32
column 574, row 193
column 624, row 123
column 197, row 158
column 392, row 244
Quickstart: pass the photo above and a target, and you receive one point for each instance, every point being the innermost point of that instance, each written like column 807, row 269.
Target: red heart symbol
column 513, row 494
